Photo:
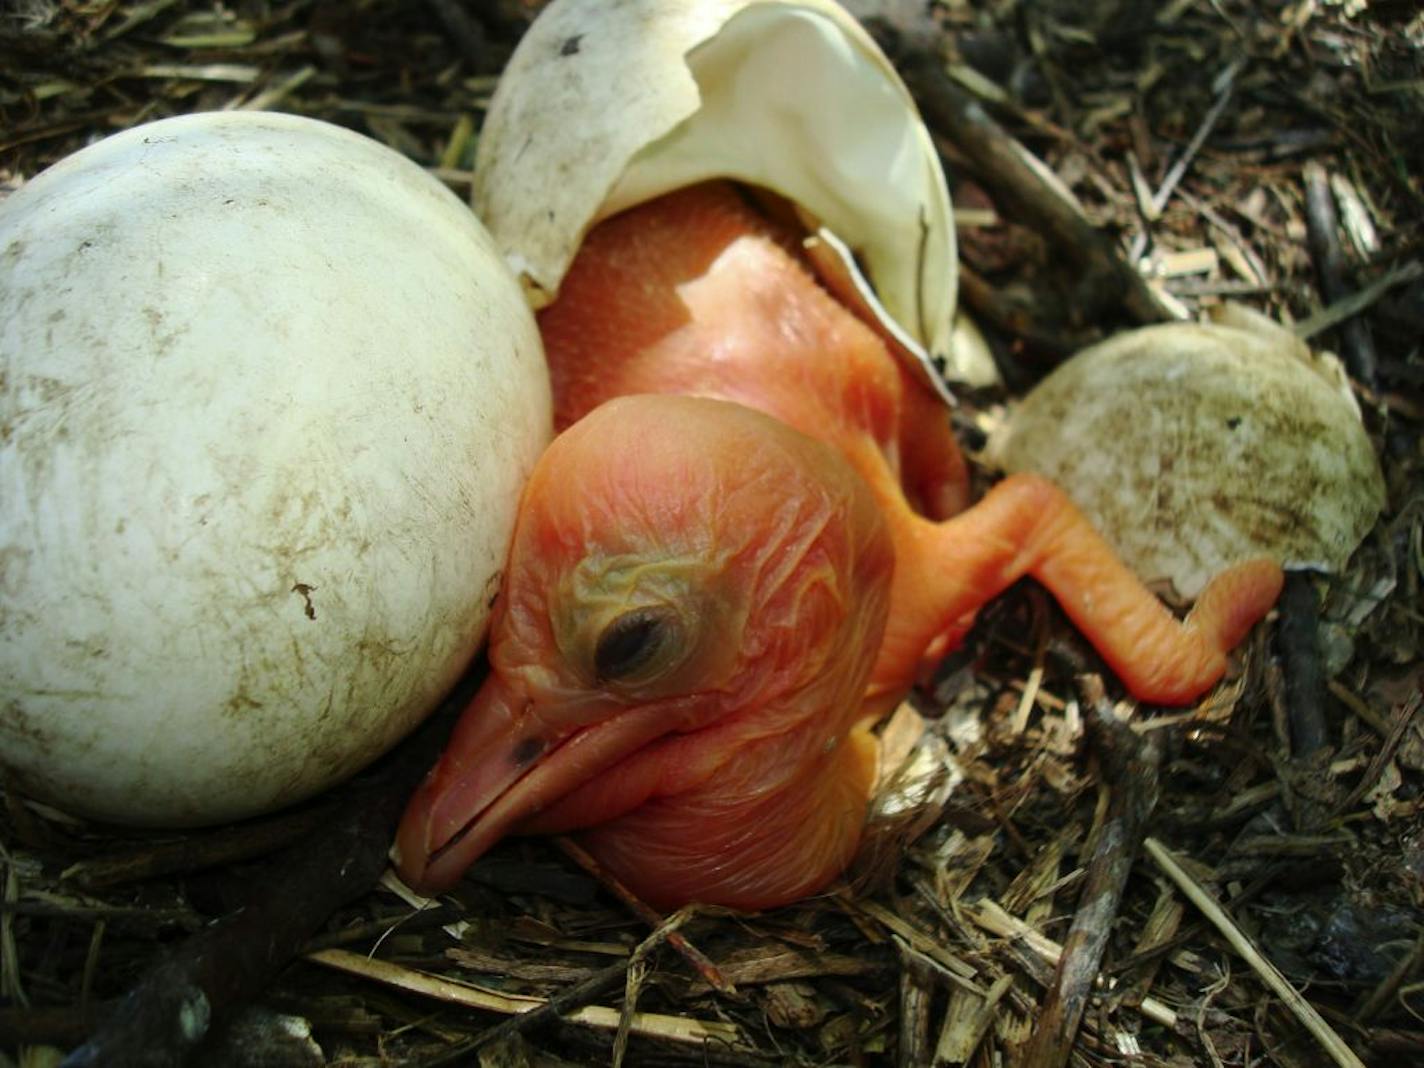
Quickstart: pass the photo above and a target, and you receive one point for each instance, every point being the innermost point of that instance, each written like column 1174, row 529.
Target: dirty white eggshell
column 605, row 106
column 268, row 397
column 1196, row 446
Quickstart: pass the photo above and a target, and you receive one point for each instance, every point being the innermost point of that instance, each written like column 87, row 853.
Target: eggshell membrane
column 604, row 106
column 1196, row 446
column 268, row 398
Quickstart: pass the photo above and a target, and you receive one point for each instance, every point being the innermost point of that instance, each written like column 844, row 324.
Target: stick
column 959, row 972
column 1130, row 764
column 1354, row 303
column 991, row 916
column 675, row 1028
column 196, row 852
column 191, row 990
column 1377, row 999
column 967, row 1021
column 562, row 1003
column 647, row 914
column 1305, row 679
column 1017, row 315
column 630, row 970
column 1322, row 227
column 1031, row 193
column 1179, row 166
column 1270, row 975
column 1392, row 741
column 916, row 994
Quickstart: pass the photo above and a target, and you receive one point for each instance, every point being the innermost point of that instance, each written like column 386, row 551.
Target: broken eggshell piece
column 603, row 107
column 1195, row 446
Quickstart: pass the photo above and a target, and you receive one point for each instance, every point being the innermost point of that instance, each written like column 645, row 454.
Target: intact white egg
column 268, row 396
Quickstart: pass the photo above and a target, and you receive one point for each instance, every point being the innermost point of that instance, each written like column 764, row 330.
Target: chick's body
column 737, row 555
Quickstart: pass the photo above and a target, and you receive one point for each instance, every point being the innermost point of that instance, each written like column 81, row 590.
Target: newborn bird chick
column 745, row 544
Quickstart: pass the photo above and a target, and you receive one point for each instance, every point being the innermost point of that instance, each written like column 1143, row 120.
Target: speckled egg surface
column 267, row 400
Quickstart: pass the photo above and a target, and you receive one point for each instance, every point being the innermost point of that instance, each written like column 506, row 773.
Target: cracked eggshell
column 605, row 106
column 268, row 398
column 1196, row 446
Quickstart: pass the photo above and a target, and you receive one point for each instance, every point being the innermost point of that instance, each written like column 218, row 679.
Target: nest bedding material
column 1204, row 140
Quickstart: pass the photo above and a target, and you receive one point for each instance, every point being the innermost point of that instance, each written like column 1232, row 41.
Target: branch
column 1030, row 193
column 1322, row 227
column 193, row 989
column 1129, row 764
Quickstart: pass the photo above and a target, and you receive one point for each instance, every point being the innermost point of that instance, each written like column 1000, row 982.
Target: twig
column 1179, row 167
column 561, row 1004
column 958, row 971
column 1031, row 193
column 1129, row 762
column 1371, row 719
column 1254, row 272
column 1270, row 975
column 193, row 989
column 197, row 852
column 1304, row 674
column 649, row 915
column 1353, row 303
column 1017, row 315
column 275, row 94
column 1374, row 1002
column 575, row 997
column 1139, row 971
column 1408, row 1044
column 137, row 15
column 26, row 827
column 130, row 914
column 433, row 916
column 11, row 988
column 676, row 1028
column 966, row 1021
column 916, row 994
column 638, row 971
column 1322, row 227
column 1383, row 755
column 990, row 915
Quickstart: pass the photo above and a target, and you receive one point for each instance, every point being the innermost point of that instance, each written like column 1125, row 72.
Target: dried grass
column 1184, row 132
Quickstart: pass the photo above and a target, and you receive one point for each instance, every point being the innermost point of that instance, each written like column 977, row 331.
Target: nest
column 1051, row 875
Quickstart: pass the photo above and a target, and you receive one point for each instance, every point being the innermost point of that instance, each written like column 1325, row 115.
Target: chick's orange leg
column 1026, row 526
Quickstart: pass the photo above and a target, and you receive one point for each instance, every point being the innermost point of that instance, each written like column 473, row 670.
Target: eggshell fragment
column 604, row 106
column 1196, row 446
column 268, row 399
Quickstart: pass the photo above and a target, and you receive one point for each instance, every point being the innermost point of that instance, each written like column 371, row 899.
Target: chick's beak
column 508, row 760
column 493, row 743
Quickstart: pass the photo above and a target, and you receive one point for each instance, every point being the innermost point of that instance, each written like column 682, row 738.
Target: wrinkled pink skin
column 746, row 464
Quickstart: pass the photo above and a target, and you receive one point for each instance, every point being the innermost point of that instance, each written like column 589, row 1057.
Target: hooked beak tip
column 443, row 829
column 424, row 865
column 409, row 853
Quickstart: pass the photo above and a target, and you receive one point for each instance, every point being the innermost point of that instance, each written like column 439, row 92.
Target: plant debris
column 1049, row 877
